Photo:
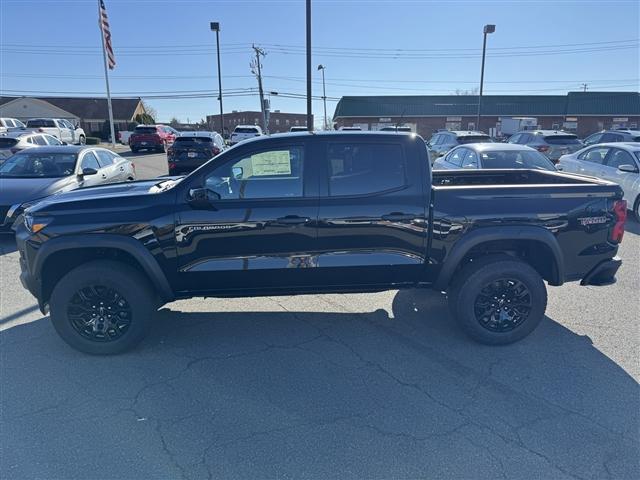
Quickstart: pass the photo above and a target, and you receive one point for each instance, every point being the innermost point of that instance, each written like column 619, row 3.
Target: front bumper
column 603, row 274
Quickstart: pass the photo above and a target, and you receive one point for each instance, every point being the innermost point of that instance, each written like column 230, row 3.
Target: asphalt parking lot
column 330, row 386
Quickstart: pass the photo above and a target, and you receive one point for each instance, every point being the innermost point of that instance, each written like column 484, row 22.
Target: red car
column 152, row 137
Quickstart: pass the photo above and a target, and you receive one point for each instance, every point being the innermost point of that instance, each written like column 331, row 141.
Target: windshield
column 193, row 140
column 245, row 130
column 39, row 165
column 562, row 140
column 474, row 139
column 40, row 122
column 516, row 159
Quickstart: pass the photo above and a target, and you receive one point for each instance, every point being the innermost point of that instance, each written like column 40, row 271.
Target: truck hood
column 21, row 190
column 106, row 192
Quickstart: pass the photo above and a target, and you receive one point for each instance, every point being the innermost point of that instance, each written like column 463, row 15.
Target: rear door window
column 51, row 140
column 612, row 137
column 619, row 157
column 456, row 157
column 593, row 139
column 364, row 168
column 470, row 160
column 105, row 158
column 39, row 140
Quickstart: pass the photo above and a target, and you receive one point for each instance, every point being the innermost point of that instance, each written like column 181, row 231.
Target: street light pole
column 215, row 26
column 324, row 96
column 487, row 29
column 309, row 108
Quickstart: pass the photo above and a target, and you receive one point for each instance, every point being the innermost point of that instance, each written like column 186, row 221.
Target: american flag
column 106, row 36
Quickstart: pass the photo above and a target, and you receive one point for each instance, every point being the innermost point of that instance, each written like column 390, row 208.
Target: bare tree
column 152, row 112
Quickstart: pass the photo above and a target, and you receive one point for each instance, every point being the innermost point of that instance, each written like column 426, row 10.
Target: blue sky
column 369, row 47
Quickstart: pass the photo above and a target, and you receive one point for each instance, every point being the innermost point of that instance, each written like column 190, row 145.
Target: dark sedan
column 35, row 173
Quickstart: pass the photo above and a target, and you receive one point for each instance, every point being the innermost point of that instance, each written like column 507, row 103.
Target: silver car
column 14, row 142
column 552, row 143
column 618, row 162
column 493, row 155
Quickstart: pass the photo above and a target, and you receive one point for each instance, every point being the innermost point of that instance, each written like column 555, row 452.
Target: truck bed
column 513, row 178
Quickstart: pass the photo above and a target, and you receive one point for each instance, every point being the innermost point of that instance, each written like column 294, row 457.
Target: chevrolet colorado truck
column 307, row 213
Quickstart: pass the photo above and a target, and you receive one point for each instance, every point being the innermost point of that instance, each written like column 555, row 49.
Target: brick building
column 278, row 121
column 579, row 112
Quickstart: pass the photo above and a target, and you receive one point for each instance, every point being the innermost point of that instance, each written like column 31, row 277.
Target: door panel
column 251, row 237
column 372, row 225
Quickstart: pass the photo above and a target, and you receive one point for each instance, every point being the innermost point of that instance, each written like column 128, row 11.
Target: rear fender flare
column 489, row 234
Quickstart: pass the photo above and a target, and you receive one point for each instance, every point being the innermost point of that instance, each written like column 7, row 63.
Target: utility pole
column 256, row 69
column 215, row 26
column 584, row 87
column 309, row 107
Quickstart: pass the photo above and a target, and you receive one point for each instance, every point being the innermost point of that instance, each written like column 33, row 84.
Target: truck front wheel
column 498, row 299
column 102, row 307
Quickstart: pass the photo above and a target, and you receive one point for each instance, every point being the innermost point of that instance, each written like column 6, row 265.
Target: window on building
column 277, row 121
column 287, row 122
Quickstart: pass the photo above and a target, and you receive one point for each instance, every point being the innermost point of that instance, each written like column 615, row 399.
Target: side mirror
column 201, row 197
column 627, row 168
column 64, row 143
column 89, row 171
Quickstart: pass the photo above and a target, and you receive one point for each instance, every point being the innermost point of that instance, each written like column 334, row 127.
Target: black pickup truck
column 318, row 213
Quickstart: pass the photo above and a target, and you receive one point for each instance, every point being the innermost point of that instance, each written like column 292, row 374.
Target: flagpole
column 106, row 79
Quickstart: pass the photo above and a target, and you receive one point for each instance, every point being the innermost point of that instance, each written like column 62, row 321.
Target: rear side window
column 105, row 158
column 562, row 140
column 146, row 130
column 619, row 157
column 245, row 130
column 612, row 137
column 199, row 140
column 456, row 157
column 361, row 169
column 40, row 123
column 39, row 140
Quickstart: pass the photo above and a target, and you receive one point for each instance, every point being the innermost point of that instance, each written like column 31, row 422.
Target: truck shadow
column 320, row 395
column 7, row 244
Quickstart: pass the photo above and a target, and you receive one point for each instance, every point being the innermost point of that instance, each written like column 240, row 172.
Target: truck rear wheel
column 102, row 307
column 498, row 299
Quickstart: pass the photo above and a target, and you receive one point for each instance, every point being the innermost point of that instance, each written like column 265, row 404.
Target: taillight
column 620, row 211
column 170, row 151
column 172, row 166
column 542, row 148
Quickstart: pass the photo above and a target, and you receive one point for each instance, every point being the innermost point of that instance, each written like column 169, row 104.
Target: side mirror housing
column 201, row 197
column 64, row 143
column 627, row 168
column 89, row 171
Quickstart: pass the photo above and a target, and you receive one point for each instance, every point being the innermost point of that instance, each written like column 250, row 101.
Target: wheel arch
column 522, row 242
column 60, row 255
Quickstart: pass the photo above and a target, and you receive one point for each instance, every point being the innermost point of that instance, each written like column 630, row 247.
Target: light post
column 215, row 27
column 308, row 31
column 324, row 96
column 487, row 29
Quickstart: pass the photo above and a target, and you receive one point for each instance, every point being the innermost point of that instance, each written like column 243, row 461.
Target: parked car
column 152, row 137
column 298, row 128
column 318, row 213
column 11, row 125
column 610, row 136
column 14, row 142
column 123, row 136
column 192, row 149
column 617, row 162
column 552, row 143
column 492, row 156
column 244, row 132
column 35, row 173
column 444, row 140
column 62, row 129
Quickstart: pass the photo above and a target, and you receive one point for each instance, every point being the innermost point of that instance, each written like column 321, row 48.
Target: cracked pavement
column 330, row 386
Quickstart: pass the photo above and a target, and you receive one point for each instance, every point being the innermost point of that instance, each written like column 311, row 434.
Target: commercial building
column 90, row 112
column 278, row 121
column 579, row 112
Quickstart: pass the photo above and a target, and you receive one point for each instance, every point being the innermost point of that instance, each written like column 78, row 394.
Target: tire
column 636, row 209
column 162, row 148
column 134, row 300
column 506, row 281
column 134, row 150
column 83, row 140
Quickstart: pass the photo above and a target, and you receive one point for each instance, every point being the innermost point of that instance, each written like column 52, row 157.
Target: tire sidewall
column 127, row 281
column 468, row 291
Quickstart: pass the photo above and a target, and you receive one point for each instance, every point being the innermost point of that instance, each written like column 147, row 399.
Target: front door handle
column 293, row 220
column 398, row 217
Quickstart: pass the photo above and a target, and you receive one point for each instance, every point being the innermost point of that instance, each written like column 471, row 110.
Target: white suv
column 244, row 132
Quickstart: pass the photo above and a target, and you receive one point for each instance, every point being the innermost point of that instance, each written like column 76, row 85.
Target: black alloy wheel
column 99, row 313
column 502, row 305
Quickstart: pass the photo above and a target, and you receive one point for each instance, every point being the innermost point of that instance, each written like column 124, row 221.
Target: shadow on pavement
column 7, row 244
column 317, row 395
column 632, row 226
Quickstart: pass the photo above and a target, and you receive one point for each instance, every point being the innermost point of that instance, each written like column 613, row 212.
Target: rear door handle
column 293, row 220
column 398, row 217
